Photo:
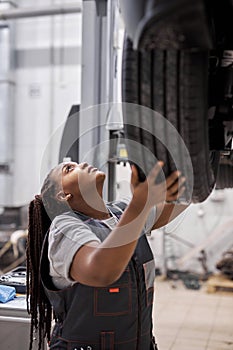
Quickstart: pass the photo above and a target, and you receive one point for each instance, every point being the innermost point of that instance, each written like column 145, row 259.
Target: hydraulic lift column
column 98, row 62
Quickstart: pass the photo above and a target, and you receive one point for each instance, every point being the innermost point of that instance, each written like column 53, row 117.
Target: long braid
column 41, row 211
column 37, row 301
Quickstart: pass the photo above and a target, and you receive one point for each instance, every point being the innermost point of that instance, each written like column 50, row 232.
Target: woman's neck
column 96, row 209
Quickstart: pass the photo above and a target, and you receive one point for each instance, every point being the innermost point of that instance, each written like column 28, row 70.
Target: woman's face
column 80, row 179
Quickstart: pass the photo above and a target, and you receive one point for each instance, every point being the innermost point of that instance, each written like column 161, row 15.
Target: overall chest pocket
column 114, row 300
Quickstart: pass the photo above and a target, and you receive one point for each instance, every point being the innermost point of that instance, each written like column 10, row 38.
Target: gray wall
column 47, row 77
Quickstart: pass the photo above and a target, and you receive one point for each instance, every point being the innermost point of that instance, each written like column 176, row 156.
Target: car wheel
column 174, row 83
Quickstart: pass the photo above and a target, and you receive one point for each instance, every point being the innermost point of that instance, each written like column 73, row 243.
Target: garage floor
column 186, row 319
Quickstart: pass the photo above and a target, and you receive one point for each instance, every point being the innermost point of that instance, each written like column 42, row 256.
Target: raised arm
column 102, row 264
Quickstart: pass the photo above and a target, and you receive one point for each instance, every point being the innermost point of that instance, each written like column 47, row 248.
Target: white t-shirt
column 67, row 234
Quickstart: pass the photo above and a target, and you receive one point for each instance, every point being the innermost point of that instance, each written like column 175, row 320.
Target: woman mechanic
column 89, row 264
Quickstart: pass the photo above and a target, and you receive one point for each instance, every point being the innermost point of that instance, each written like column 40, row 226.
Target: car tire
column 174, row 83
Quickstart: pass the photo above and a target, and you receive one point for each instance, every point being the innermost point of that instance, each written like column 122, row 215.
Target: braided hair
column 42, row 210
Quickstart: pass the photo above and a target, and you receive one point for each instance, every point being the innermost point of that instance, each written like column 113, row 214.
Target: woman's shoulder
column 66, row 221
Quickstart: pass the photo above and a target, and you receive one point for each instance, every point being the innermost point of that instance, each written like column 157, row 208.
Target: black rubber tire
column 224, row 177
column 175, row 84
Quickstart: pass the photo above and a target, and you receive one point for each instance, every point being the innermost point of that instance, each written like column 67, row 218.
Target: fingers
column 176, row 196
column 176, row 190
column 172, row 181
column 173, row 178
column 170, row 189
column 174, row 185
column 155, row 171
column 134, row 176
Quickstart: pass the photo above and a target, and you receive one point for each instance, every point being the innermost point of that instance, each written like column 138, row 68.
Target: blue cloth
column 7, row 293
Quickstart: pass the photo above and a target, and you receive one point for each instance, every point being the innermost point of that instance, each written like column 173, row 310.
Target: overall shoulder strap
column 117, row 207
column 46, row 279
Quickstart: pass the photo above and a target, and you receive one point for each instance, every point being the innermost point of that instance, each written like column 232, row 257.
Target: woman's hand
column 148, row 193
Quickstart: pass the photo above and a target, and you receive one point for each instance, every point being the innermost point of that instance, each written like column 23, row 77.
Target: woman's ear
column 61, row 196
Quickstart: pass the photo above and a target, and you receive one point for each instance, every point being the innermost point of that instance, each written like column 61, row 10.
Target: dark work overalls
column 116, row 317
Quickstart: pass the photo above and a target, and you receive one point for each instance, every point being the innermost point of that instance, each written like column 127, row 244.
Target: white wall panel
column 47, row 82
column 38, row 32
column 42, row 106
column 33, row 3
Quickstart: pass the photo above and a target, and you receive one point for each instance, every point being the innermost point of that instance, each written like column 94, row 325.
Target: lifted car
column 178, row 62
